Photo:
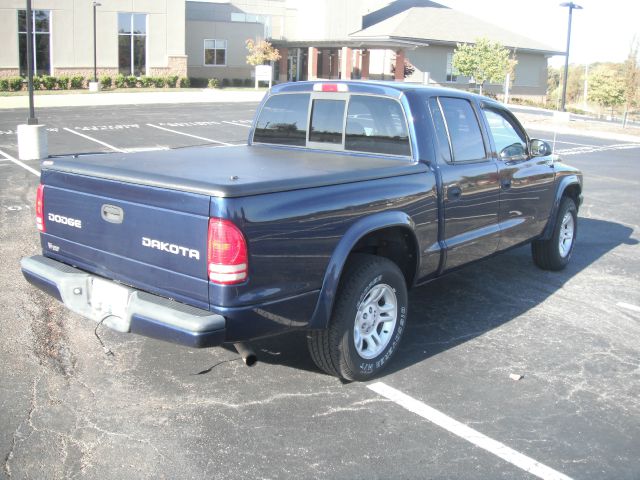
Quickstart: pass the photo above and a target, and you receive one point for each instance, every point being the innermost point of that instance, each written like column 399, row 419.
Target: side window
column 283, row 120
column 376, row 125
column 441, row 130
column 463, row 128
column 510, row 140
column 327, row 117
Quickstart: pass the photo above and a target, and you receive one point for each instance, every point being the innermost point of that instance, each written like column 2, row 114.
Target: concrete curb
column 133, row 98
column 567, row 130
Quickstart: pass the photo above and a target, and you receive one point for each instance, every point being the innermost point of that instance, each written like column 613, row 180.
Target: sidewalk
column 132, row 98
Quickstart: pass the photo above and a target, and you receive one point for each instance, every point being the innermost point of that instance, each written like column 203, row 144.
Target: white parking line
column 570, row 143
column 190, row 135
column 527, row 464
column 19, row 163
column 629, row 306
column 237, row 124
column 95, row 140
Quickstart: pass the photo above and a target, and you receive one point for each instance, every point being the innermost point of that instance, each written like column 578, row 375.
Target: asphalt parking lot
column 156, row 410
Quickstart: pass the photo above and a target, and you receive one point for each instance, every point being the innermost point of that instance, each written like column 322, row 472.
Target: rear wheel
column 555, row 253
column 367, row 322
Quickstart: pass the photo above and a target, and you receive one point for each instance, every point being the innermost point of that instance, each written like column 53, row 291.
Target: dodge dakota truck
column 346, row 195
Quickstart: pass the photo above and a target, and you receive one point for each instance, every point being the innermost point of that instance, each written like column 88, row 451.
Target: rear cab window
column 458, row 130
column 340, row 122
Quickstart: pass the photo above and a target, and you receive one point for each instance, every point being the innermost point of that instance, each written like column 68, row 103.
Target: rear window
column 283, row 120
column 464, row 130
column 376, row 125
column 327, row 117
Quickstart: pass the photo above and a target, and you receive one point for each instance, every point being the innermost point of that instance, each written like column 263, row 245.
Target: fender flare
column 333, row 272
column 564, row 183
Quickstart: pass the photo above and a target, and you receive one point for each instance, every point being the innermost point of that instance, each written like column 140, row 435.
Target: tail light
column 40, row 209
column 227, row 258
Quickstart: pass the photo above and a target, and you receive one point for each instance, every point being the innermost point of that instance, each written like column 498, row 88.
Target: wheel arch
column 570, row 186
column 387, row 234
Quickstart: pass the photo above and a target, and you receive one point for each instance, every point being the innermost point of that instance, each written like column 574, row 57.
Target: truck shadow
column 470, row 302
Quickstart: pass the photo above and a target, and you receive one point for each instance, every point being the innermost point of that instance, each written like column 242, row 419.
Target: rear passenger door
column 470, row 185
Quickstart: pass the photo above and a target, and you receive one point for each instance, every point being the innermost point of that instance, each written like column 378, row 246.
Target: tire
column 349, row 347
column 555, row 253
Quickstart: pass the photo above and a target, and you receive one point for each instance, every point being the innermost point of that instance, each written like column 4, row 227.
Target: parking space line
column 629, row 306
column 20, row 164
column 237, row 124
column 190, row 135
column 570, row 143
column 527, row 464
column 95, row 140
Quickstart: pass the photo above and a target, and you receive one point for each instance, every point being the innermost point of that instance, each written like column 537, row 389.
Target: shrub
column 15, row 83
column 158, row 82
column 49, row 82
column 120, row 81
column 131, row 81
column 4, row 84
column 237, row 82
column 105, row 81
column 185, row 82
column 172, row 81
column 226, row 82
column 63, row 82
column 248, row 82
column 146, row 82
column 77, row 81
column 37, row 82
column 214, row 83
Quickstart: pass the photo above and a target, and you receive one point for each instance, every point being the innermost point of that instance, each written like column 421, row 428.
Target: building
column 347, row 39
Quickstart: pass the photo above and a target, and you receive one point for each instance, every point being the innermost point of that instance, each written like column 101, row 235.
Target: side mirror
column 513, row 152
column 539, row 148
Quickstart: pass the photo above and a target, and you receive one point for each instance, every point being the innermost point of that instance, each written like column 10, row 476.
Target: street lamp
column 95, row 50
column 571, row 6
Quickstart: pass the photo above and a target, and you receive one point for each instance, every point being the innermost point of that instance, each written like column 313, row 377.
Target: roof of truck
column 394, row 89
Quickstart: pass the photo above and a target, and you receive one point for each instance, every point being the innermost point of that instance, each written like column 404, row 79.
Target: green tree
column 484, row 61
column 606, row 87
column 631, row 71
column 260, row 52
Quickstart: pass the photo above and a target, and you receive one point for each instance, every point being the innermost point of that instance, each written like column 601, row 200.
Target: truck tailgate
column 150, row 238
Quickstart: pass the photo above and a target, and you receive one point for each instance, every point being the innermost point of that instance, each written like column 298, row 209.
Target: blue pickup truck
column 347, row 195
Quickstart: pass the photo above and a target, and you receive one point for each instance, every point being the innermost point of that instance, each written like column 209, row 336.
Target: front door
column 527, row 182
column 470, row 183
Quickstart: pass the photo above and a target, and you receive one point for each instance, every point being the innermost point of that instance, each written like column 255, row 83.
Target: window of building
column 215, row 52
column 283, row 120
column 452, row 73
column 463, row 129
column 41, row 31
column 253, row 18
column 376, row 125
column 132, row 43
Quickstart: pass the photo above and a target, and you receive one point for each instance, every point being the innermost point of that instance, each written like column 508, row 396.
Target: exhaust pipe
column 246, row 352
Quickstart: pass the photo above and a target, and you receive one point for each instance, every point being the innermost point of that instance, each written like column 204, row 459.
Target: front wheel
column 555, row 253
column 367, row 322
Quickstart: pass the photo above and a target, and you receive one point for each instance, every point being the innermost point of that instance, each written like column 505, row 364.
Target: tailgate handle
column 112, row 214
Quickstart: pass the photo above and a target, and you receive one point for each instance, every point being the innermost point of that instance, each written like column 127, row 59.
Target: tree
column 631, row 80
column 408, row 68
column 606, row 87
column 260, row 52
column 484, row 61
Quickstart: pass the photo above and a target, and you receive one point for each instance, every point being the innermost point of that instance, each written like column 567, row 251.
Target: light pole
column 571, row 6
column 32, row 120
column 95, row 49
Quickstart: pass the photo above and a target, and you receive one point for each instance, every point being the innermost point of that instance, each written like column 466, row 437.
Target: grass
column 85, row 91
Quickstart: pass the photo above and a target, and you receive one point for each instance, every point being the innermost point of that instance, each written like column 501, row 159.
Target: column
column 312, row 64
column 284, row 69
column 335, row 63
column 345, row 67
column 400, row 66
column 364, row 72
column 325, row 63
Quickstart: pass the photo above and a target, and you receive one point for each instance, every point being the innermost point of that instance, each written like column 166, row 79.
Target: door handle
column 454, row 193
column 505, row 184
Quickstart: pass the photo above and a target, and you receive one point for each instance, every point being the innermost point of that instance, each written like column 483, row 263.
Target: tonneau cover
column 235, row 171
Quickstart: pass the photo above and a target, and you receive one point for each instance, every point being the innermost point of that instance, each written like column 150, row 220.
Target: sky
column 601, row 32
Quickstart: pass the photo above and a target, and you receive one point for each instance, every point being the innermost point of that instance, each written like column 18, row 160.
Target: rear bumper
column 123, row 308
